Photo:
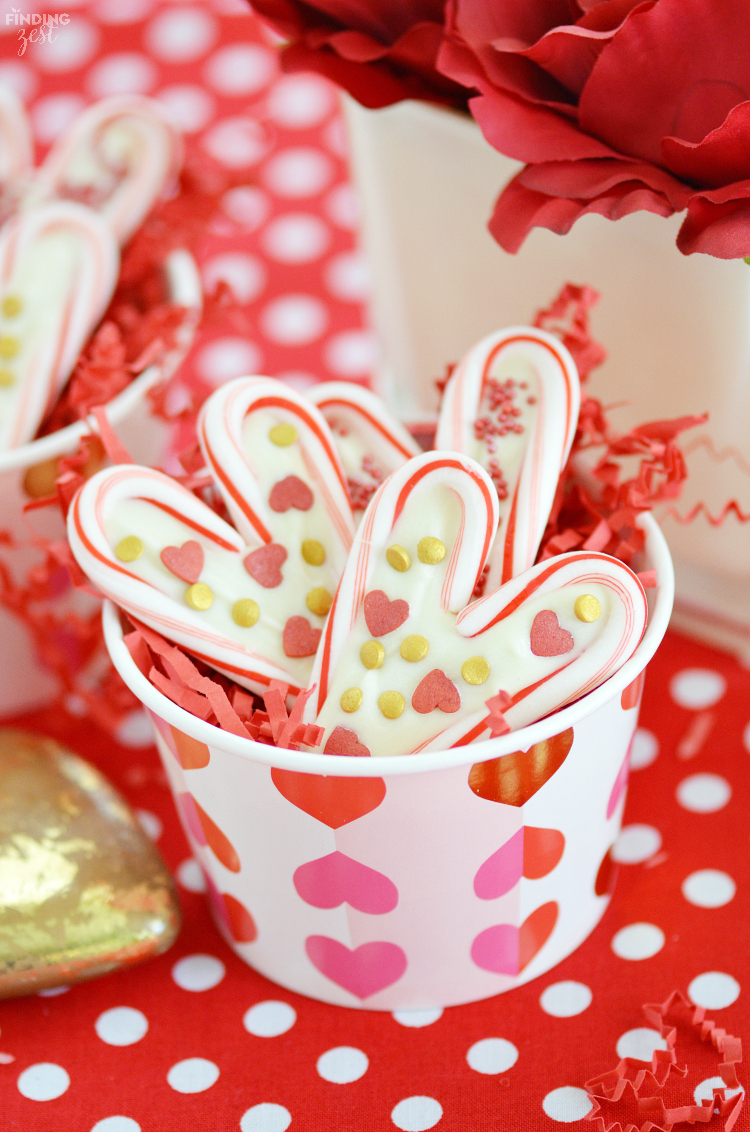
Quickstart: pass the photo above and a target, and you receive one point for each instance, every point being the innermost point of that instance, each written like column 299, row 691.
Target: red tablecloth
column 196, row 1041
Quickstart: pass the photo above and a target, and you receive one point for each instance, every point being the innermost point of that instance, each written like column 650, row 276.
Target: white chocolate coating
column 58, row 266
column 451, row 498
column 512, row 404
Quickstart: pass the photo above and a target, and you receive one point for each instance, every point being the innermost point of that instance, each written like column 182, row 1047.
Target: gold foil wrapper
column 82, row 889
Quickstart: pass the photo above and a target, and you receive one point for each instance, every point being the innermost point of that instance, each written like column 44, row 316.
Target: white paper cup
column 28, row 682
column 396, row 883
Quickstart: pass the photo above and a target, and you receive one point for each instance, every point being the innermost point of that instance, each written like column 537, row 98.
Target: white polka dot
column 353, row 353
column 181, row 35
column 269, row 1019
column 697, row 688
column 115, row 12
column 298, row 380
column 52, row 115
column 225, row 358
column 342, row 1065
column 704, row 793
column 564, row 1000
column 342, row 206
column 43, row 1082
column 644, row 750
column 72, row 47
column 241, row 69
column 296, row 237
column 294, row 320
column 246, row 206
column 245, row 274
column 117, row 1124
column 416, row 1114
column 134, row 730
column 193, row 1075
column 297, row 173
column 76, row 705
column 190, row 875
column 121, row 1026
column 636, row 843
column 198, row 972
column 347, row 277
column 189, row 107
column 714, row 990
column 300, row 101
column 266, row 1118
column 336, row 138
column 567, row 1104
column 638, row 941
column 640, row 1043
column 492, row 1055
column 415, row 1019
column 236, row 142
column 705, row 1090
column 53, row 992
column 150, row 824
column 126, row 73
column 709, row 888
column 19, row 78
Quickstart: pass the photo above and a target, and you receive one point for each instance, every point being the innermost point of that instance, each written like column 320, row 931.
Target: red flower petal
column 721, row 158
column 718, row 223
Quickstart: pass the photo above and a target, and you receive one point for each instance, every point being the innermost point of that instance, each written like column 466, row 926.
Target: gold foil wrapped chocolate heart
column 82, row 889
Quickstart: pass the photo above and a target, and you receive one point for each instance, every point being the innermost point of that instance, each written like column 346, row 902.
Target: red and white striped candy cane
column 58, row 269
column 117, row 157
column 512, row 404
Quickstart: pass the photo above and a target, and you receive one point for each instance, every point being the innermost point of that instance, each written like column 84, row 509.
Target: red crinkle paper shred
column 631, row 1078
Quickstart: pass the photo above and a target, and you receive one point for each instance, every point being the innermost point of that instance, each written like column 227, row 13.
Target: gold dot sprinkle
column 313, row 552
column 372, row 654
column 351, row 699
column 7, row 378
column 319, row 601
column 199, row 596
column 391, row 704
column 282, row 435
column 11, row 306
column 129, row 548
column 9, row 346
column 398, row 558
column 430, row 550
column 245, row 612
column 414, row 648
column 475, row 670
column 587, row 608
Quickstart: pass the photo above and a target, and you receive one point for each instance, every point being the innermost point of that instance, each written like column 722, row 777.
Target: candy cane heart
column 58, row 268
column 370, row 442
column 117, row 158
column 512, row 404
column 166, row 558
column 415, row 561
column 274, row 460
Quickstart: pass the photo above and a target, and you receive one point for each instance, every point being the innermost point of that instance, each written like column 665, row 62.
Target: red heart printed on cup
column 409, row 665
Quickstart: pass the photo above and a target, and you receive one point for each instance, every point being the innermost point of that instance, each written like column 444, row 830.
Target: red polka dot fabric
column 195, row 1040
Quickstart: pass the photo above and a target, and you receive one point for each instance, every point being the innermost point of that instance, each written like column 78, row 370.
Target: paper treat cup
column 415, row 881
column 28, row 683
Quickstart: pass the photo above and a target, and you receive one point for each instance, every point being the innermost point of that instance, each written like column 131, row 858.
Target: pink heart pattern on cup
column 337, row 879
column 363, row 970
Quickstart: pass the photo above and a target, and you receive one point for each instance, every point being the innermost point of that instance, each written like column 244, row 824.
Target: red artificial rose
column 614, row 106
column 381, row 51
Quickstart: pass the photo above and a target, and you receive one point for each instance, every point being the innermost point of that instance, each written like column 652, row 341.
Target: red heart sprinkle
column 263, row 565
column 435, row 690
column 548, row 638
column 299, row 638
column 290, row 492
column 383, row 616
column 185, row 562
column 342, row 741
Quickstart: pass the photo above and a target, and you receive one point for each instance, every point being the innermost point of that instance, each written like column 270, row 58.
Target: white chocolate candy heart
column 370, row 442
column 58, row 269
column 512, row 404
column 404, row 667
column 252, row 604
column 116, row 158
